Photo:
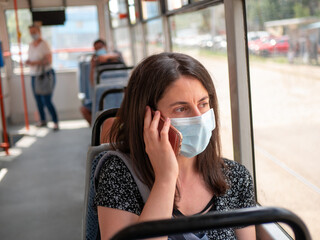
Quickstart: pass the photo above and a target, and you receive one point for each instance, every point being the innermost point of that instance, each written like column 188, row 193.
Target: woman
column 39, row 58
column 197, row 180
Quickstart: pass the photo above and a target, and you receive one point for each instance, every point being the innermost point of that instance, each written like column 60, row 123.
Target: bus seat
column 90, row 217
column 85, row 89
column 105, row 129
column 105, row 72
column 95, row 151
column 111, row 100
column 97, row 126
column 104, row 102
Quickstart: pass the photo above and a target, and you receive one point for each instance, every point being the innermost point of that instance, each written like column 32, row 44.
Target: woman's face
column 186, row 97
column 34, row 30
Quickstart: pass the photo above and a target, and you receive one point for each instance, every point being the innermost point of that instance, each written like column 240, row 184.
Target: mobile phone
column 175, row 137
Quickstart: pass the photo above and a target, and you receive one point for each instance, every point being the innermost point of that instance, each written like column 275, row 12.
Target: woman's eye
column 180, row 109
column 204, row 104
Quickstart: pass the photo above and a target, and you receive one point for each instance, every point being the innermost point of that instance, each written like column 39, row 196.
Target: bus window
column 283, row 42
column 138, row 43
column 123, row 43
column 154, row 36
column 133, row 13
column 121, row 32
column 201, row 34
column 25, row 19
column 150, row 9
column 67, row 41
column 118, row 13
column 173, row 4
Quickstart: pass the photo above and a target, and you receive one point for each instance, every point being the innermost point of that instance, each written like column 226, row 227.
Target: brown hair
column 146, row 86
column 100, row 41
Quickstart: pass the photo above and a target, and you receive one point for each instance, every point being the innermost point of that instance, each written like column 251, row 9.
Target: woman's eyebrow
column 204, row 98
column 178, row 103
column 183, row 102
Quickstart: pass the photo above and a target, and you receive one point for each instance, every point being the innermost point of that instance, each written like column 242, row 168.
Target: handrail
column 235, row 218
column 96, row 129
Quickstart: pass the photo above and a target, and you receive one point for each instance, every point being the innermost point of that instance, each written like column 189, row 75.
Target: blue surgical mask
column 101, row 51
column 35, row 36
column 196, row 132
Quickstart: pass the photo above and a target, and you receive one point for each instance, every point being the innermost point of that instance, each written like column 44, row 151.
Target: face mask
column 196, row 132
column 101, row 51
column 35, row 36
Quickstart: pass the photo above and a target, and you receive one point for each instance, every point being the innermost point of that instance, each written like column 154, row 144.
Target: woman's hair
column 147, row 84
column 36, row 25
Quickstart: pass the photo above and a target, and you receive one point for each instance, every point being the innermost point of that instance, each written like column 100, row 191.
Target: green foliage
column 261, row 11
column 300, row 10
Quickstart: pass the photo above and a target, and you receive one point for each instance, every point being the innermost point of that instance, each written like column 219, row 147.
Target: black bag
column 44, row 83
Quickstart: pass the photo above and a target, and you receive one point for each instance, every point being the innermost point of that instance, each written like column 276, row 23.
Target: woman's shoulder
column 116, row 186
column 238, row 178
column 113, row 163
column 44, row 44
column 241, row 192
column 234, row 168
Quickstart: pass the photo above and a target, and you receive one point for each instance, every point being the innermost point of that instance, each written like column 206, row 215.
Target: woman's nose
column 195, row 112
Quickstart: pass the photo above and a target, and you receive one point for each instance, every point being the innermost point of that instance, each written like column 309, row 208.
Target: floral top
column 117, row 189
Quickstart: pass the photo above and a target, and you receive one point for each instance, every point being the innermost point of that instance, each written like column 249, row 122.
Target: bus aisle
column 42, row 190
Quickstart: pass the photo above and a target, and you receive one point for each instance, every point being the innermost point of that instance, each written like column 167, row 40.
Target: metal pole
column 21, row 68
column 5, row 144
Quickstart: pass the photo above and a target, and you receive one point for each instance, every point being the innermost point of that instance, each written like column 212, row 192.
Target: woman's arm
column 247, row 233
column 158, row 206
column 47, row 59
column 113, row 220
column 161, row 199
column 107, row 57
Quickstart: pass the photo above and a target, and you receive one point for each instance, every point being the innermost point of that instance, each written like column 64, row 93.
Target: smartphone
column 175, row 137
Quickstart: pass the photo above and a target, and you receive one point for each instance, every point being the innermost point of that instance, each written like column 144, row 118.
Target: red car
column 271, row 46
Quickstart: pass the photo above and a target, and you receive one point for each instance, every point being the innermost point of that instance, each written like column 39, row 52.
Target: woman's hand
column 158, row 147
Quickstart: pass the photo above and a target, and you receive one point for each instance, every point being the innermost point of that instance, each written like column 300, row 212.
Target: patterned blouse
column 117, row 189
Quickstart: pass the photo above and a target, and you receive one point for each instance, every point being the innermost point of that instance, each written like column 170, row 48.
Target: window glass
column 150, row 9
column 154, row 36
column 25, row 20
column 67, row 41
column 133, row 12
column 123, row 43
column 201, row 34
column 283, row 40
column 118, row 13
column 138, row 43
column 176, row 4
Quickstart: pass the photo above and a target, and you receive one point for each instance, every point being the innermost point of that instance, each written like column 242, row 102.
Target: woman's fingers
column 164, row 134
column 147, row 118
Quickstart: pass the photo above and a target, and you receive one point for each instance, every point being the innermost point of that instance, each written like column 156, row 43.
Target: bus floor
column 43, row 180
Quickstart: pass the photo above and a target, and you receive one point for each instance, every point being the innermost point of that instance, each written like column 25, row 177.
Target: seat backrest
column 105, row 72
column 105, row 130
column 95, row 151
column 96, row 156
column 90, row 224
column 98, row 125
column 111, row 100
column 84, row 79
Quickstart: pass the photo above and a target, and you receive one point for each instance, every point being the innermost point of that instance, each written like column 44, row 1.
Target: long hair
column 146, row 87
